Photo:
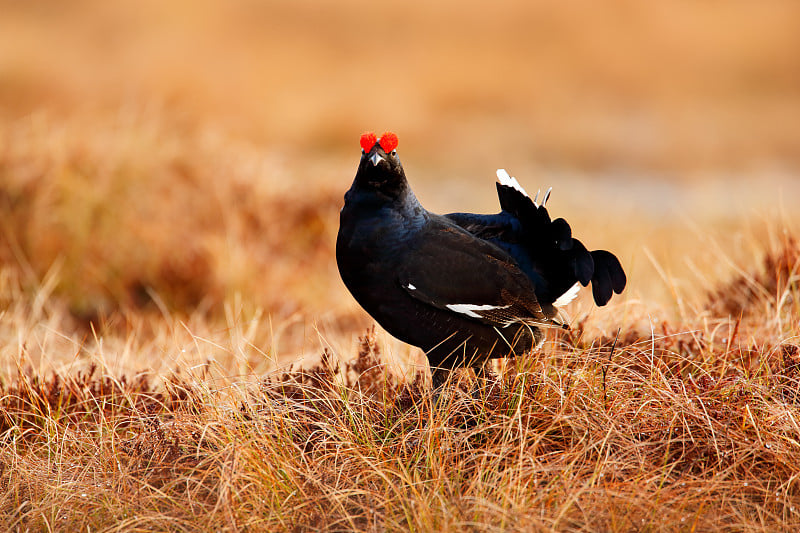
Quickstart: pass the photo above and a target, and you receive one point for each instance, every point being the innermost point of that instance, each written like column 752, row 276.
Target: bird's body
column 463, row 287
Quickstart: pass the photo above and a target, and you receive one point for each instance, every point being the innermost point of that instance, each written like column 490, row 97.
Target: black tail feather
column 562, row 233
column 557, row 259
column 601, row 287
column 608, row 276
column 514, row 202
column 545, row 249
column 582, row 263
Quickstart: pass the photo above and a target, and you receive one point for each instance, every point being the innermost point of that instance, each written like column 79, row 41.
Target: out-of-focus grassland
column 170, row 180
column 620, row 85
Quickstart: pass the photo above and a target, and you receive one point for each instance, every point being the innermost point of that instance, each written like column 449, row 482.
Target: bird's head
column 380, row 168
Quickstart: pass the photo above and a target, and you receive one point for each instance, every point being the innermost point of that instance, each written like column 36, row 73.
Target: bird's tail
column 547, row 248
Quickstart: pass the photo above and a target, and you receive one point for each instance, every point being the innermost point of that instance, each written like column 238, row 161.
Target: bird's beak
column 375, row 159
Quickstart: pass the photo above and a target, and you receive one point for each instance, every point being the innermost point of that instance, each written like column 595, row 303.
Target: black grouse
column 463, row 287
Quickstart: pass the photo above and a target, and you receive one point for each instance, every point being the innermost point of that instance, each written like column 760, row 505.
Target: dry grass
column 686, row 426
column 177, row 351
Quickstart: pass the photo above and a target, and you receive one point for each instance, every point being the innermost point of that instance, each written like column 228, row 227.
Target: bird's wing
column 543, row 249
column 451, row 269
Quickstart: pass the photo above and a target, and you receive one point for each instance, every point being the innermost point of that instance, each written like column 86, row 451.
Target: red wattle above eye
column 388, row 141
column 368, row 140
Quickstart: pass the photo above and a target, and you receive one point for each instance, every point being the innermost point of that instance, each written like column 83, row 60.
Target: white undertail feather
column 509, row 181
column 469, row 309
column 568, row 296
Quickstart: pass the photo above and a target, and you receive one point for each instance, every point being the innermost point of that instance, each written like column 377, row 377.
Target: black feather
column 562, row 233
column 608, row 262
column 463, row 287
column 601, row 287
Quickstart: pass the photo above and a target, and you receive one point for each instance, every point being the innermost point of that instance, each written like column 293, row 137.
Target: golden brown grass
column 177, row 351
column 685, row 425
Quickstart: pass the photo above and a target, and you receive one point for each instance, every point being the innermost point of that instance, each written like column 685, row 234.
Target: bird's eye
column 394, row 152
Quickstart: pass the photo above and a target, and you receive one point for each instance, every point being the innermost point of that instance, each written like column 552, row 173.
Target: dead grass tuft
column 30, row 402
column 765, row 290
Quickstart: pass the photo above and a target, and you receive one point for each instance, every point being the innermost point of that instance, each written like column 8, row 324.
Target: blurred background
column 170, row 157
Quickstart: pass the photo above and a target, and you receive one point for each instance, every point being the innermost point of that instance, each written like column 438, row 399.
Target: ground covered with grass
column 682, row 426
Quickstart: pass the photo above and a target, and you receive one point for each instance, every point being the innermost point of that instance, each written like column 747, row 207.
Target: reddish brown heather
column 671, row 431
column 778, row 275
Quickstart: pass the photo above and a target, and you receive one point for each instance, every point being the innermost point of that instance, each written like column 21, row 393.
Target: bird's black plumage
column 463, row 287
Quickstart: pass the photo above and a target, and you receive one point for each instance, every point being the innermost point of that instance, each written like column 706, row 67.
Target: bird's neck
column 399, row 200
